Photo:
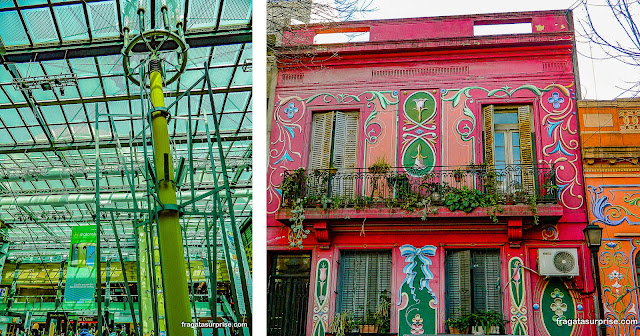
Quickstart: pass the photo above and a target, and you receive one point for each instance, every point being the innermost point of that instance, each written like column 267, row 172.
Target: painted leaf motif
column 384, row 102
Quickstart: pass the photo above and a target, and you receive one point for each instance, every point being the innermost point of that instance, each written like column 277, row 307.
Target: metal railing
column 511, row 183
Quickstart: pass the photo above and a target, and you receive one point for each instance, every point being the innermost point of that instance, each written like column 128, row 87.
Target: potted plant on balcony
column 377, row 171
column 343, row 323
column 550, row 191
column 381, row 317
column 293, row 187
column 458, row 174
column 486, row 323
column 458, row 325
column 380, row 166
column 368, row 326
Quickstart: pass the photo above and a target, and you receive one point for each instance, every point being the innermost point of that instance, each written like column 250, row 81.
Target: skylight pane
column 103, row 19
column 72, row 22
column 40, row 24
column 12, row 31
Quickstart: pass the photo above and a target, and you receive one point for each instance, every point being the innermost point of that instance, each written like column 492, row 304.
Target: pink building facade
column 439, row 103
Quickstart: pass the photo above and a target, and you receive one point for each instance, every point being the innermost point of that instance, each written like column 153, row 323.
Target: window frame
column 340, row 288
column 472, row 304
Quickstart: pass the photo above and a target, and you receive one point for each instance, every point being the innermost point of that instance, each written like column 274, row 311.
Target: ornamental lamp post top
column 593, row 236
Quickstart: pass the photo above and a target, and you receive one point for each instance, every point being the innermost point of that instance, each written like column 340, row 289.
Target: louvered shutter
column 487, row 115
column 526, row 149
column 345, row 148
column 364, row 276
column 487, row 294
column 321, row 133
column 458, row 266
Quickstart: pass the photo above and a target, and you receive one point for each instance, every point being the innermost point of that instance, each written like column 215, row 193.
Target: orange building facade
column 610, row 139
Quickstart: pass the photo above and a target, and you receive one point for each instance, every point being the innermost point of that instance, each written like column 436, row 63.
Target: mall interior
column 125, row 167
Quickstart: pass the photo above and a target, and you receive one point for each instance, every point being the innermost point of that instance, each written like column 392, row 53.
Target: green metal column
column 162, row 319
column 176, row 293
column 60, row 284
column 12, row 291
column 4, row 249
column 144, row 291
column 107, row 291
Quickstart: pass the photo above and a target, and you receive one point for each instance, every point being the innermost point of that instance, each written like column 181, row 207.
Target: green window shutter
column 526, row 148
column 321, row 133
column 458, row 266
column 487, row 115
column 487, row 293
column 364, row 276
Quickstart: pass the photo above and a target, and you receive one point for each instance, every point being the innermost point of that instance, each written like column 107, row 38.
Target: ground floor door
column 288, row 294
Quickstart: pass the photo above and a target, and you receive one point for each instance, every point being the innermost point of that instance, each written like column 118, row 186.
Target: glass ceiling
column 47, row 136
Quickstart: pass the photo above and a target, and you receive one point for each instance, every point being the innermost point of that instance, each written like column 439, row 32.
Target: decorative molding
column 322, row 234
column 292, row 78
column 435, row 71
column 555, row 66
column 514, row 231
column 629, row 120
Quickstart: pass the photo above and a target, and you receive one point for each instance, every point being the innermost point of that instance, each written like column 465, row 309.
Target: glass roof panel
column 26, row 150
column 202, row 13
column 72, row 22
column 12, row 32
column 235, row 12
column 40, row 25
column 103, row 19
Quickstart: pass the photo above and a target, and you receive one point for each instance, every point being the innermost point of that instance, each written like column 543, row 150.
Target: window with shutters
column 334, row 144
column 509, row 145
column 364, row 277
column 473, row 282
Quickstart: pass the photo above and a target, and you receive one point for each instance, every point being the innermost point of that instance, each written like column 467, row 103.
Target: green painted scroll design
column 321, row 299
column 517, row 294
column 465, row 130
column 371, row 128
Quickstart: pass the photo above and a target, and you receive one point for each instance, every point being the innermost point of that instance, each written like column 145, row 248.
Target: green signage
column 81, row 270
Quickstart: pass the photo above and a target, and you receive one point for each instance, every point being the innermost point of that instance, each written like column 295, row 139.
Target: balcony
column 409, row 187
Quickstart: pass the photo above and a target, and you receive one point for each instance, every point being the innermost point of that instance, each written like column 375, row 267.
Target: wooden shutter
column 321, row 133
column 526, row 149
column 458, row 268
column 487, row 293
column 345, row 149
column 364, row 276
column 487, row 115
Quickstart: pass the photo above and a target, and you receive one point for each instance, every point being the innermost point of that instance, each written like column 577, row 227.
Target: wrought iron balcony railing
column 510, row 184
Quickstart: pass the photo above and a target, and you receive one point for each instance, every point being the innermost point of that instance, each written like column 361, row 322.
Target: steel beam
column 113, row 46
column 88, row 100
column 80, row 145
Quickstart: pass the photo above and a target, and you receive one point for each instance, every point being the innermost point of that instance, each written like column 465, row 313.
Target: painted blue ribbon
column 410, row 253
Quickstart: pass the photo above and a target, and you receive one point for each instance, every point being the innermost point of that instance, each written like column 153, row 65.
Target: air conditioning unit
column 558, row 262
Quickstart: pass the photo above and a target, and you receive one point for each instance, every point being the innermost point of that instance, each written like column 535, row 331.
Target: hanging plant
column 293, row 187
column 298, row 232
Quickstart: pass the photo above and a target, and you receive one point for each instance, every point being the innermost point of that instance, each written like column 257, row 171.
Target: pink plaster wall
column 520, row 69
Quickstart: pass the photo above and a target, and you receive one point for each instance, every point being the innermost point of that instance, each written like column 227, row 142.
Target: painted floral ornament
column 416, row 327
column 556, row 100
column 558, row 307
column 291, row 110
